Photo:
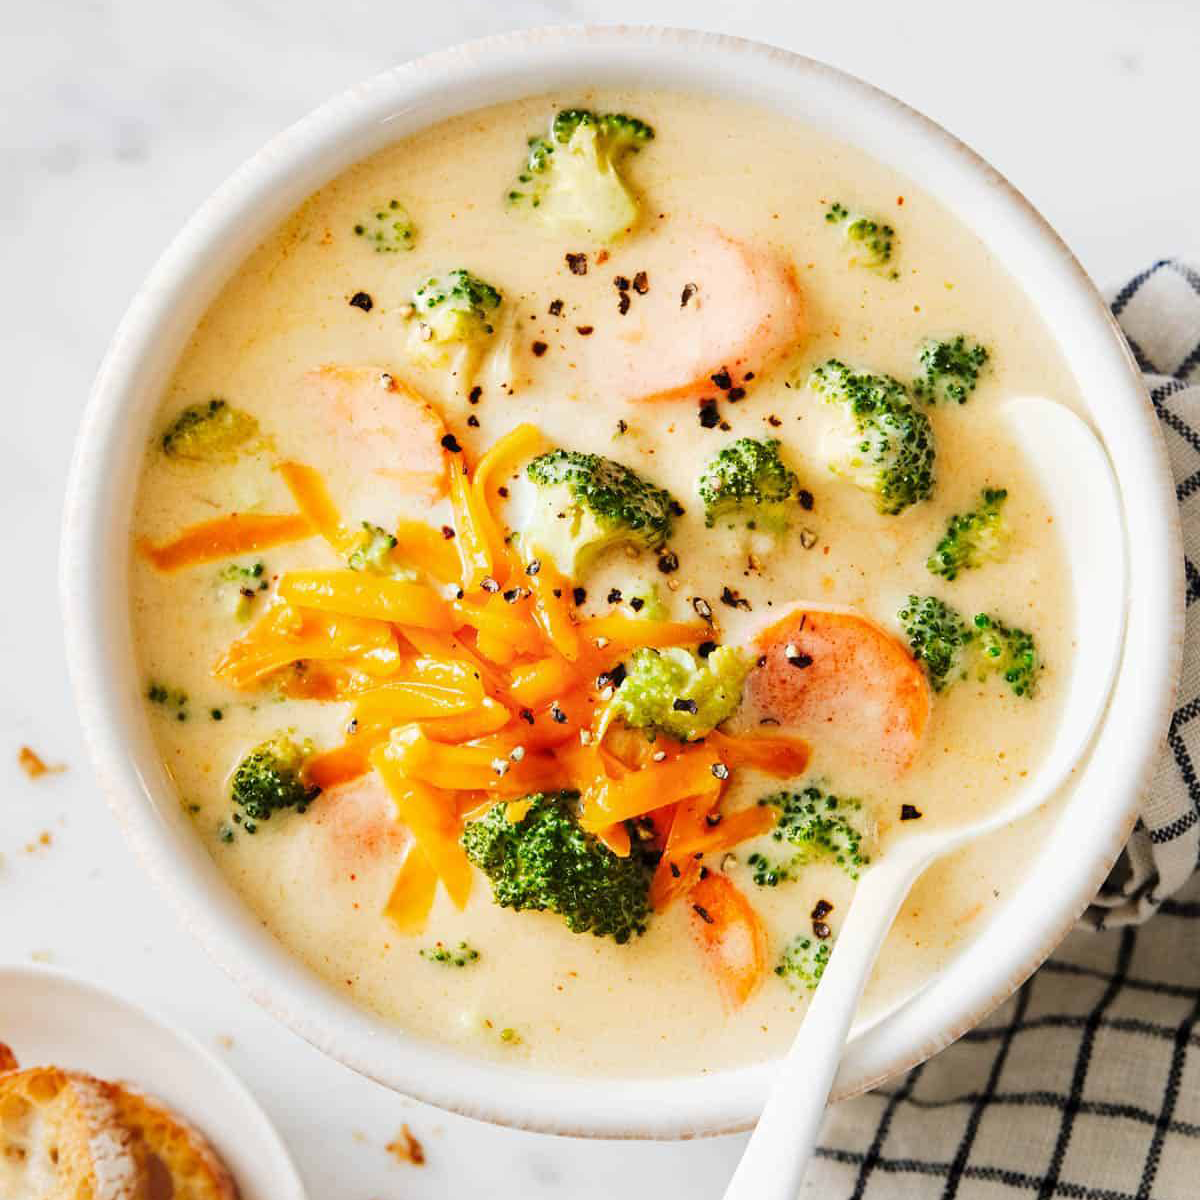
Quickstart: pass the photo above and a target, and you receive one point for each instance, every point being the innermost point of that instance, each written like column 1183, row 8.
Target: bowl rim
column 94, row 565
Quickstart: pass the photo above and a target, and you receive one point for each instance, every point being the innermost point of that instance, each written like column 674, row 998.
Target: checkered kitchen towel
column 1086, row 1083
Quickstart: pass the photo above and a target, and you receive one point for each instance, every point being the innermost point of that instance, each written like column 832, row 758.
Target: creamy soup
column 657, row 300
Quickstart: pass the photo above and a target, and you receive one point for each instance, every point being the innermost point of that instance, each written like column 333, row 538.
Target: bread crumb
column 35, row 766
column 406, row 1148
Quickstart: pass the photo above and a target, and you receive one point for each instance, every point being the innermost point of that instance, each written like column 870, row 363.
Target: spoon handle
column 774, row 1163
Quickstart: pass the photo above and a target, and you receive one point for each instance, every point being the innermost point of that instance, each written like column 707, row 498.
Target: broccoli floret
column 1008, row 652
column 950, row 370
column 212, row 432
column 674, row 692
column 389, row 228
column 372, row 550
column 937, row 635
column 571, row 179
column 247, row 584
column 870, row 242
column 803, row 962
column 747, row 481
column 269, row 779
column 887, row 448
column 973, row 538
column 546, row 862
column 586, row 503
column 815, row 826
column 451, row 312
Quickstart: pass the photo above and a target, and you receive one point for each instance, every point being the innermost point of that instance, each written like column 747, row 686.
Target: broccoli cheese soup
column 575, row 546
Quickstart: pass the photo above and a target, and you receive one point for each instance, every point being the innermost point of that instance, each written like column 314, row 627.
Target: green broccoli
column 803, row 961
column 571, row 179
column 373, row 549
column 674, row 692
column 937, row 635
column 451, row 312
column 248, row 583
column 816, row 826
column 950, row 370
column 748, row 481
column 442, row 955
column 269, row 778
column 870, row 242
column 887, row 447
column 388, row 229
column 1008, row 652
column 973, row 538
column 212, row 432
column 172, row 699
column 585, row 504
column 546, row 862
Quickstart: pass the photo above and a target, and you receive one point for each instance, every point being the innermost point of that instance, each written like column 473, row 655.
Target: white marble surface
column 119, row 117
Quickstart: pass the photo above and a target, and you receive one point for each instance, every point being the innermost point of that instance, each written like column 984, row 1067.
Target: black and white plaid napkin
column 1086, row 1083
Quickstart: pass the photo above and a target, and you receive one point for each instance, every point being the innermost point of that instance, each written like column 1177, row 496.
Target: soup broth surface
column 577, row 1003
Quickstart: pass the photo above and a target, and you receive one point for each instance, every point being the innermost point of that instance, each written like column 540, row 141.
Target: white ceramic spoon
column 1082, row 492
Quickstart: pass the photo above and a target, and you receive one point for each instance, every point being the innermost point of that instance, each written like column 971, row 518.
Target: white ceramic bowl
column 1064, row 873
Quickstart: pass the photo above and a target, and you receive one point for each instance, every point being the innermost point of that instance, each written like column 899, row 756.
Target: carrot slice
column 412, row 894
column 782, row 757
column 688, row 774
column 226, row 537
column 375, row 597
column 552, row 608
column 470, row 524
column 314, row 501
column 433, row 818
column 284, row 635
column 730, row 935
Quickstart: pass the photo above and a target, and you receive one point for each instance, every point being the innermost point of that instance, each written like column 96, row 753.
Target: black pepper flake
column 806, row 499
column 513, row 595
column 689, row 290
column 910, row 812
column 808, row 538
column 710, row 415
column 641, row 283
column 735, row 394
column 612, row 678
column 362, row 300
column 577, row 263
column 623, row 303
column 579, row 595
column 447, row 532
column 614, row 596
column 705, row 649
column 352, row 727
column 621, row 283
column 677, row 509
column 749, row 375
column 704, row 872
column 668, row 562
column 502, row 492
column 724, row 427
column 637, row 604
column 702, row 913
column 539, row 348
column 473, row 421
column 720, row 771
column 622, row 425
column 585, row 330
column 474, row 394
column 557, row 593
column 703, row 611
column 489, row 584
column 533, row 566
column 526, row 715
column 821, row 910
column 733, row 599
column 675, row 871
column 685, row 705
column 450, row 442
column 800, row 661
column 557, row 715
column 556, row 308
column 712, row 820
column 722, row 380
column 821, row 931
column 773, row 421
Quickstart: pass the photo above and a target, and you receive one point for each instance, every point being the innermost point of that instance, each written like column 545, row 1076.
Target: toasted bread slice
column 180, row 1163
column 61, row 1139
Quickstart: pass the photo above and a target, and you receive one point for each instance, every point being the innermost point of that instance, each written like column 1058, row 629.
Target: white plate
column 48, row 1017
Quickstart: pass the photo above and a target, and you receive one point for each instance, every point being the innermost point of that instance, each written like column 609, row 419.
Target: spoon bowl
column 1082, row 493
